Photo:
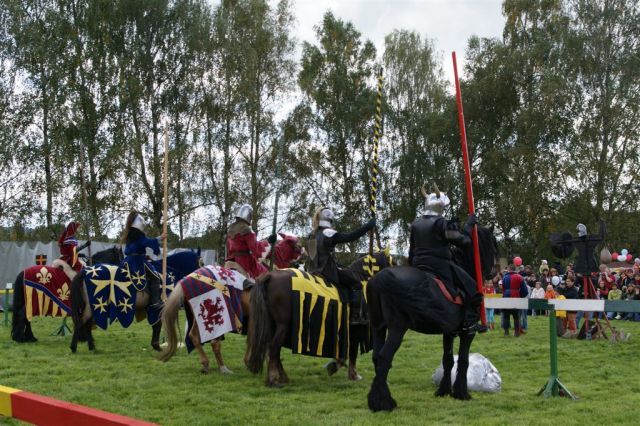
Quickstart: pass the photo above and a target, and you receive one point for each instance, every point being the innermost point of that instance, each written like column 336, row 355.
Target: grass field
column 124, row 377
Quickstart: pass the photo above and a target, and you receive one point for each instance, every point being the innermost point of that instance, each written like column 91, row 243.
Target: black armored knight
column 430, row 250
column 322, row 243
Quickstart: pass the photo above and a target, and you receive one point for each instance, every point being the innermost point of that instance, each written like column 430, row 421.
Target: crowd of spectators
column 550, row 282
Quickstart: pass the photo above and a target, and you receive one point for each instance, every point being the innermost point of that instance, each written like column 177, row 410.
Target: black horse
column 403, row 298
column 21, row 327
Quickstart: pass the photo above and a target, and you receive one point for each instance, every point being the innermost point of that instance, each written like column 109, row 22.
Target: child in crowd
column 487, row 290
column 561, row 316
column 571, row 292
column 537, row 293
column 544, row 265
column 614, row 294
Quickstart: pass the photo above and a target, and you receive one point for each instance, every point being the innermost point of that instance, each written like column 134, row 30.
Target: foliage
column 87, row 88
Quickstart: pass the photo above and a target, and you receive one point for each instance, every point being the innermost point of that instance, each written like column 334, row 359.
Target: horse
column 287, row 251
column 119, row 281
column 403, row 298
column 21, row 325
column 272, row 308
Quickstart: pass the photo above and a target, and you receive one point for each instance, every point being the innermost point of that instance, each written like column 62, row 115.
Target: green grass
column 124, row 377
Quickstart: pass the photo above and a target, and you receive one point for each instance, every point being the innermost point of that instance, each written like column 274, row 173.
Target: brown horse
column 270, row 325
column 287, row 250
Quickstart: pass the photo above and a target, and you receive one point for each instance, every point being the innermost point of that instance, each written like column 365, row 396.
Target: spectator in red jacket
column 514, row 286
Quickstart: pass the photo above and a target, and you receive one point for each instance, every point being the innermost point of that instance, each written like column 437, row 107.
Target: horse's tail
column 17, row 321
column 169, row 315
column 78, row 306
column 260, row 326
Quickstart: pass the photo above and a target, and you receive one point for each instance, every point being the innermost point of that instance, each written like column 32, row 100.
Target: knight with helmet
column 430, row 250
column 322, row 243
column 243, row 247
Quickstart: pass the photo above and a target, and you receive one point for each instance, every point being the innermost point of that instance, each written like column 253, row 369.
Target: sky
column 449, row 23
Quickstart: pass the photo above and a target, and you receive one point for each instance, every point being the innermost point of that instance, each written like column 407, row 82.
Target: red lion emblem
column 226, row 274
column 211, row 313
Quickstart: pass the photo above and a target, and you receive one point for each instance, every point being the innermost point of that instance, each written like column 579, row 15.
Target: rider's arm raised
column 347, row 237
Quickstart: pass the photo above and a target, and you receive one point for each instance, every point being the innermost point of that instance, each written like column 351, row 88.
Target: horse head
column 182, row 262
column 488, row 246
column 289, row 249
column 367, row 266
column 111, row 256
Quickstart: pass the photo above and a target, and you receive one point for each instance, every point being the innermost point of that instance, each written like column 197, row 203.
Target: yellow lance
column 368, row 265
column 377, row 132
column 165, row 212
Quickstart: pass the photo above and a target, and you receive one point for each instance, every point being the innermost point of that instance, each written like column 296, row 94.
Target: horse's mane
column 183, row 261
column 488, row 246
column 112, row 255
column 382, row 260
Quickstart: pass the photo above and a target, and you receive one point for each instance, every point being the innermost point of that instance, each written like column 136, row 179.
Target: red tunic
column 68, row 245
column 244, row 249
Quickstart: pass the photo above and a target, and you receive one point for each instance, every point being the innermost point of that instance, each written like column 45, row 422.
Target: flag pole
column 165, row 212
column 279, row 147
column 85, row 202
column 374, row 166
column 467, row 174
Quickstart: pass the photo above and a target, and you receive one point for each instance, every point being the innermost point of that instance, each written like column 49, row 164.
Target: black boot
column 470, row 324
column 358, row 314
column 155, row 292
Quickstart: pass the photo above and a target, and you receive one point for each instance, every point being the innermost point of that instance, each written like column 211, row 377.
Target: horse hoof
column 440, row 393
column 273, row 384
column 73, row 350
column 156, row 347
column 204, row 370
column 332, row 367
column 387, row 404
column 462, row 396
column 355, row 377
column 225, row 370
column 31, row 339
column 380, row 398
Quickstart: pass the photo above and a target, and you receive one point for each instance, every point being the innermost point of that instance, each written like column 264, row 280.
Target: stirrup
column 474, row 328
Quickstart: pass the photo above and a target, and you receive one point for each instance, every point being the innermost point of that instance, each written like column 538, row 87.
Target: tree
column 336, row 80
column 603, row 44
column 417, row 126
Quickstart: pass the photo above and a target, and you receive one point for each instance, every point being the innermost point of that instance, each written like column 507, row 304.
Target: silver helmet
column 435, row 202
column 326, row 218
column 582, row 230
column 244, row 212
column 138, row 223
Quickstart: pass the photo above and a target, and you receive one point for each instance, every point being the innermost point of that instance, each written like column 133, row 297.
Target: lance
column 165, row 211
column 467, row 173
column 85, row 202
column 377, row 131
column 279, row 148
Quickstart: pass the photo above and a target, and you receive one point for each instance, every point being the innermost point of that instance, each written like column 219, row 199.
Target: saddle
column 457, row 300
column 248, row 282
column 61, row 264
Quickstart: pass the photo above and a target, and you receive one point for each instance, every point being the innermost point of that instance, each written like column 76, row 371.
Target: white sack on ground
column 482, row 376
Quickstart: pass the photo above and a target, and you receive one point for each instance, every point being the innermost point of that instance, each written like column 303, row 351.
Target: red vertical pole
column 467, row 174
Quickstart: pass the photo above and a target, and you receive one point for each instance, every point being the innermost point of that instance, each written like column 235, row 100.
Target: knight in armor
column 136, row 243
column 243, row 246
column 68, row 244
column 430, row 250
column 323, row 241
